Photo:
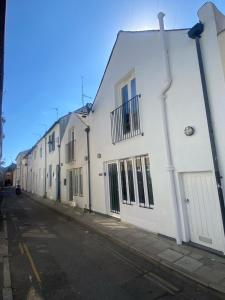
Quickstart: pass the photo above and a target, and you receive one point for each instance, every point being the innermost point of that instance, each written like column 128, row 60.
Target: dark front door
column 113, row 188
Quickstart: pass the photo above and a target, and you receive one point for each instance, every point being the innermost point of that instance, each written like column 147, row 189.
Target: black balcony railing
column 125, row 120
column 70, row 151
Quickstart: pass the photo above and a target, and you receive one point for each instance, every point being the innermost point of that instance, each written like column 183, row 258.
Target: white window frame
column 136, row 193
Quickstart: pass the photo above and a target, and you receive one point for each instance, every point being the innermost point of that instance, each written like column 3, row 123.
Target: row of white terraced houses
column 150, row 149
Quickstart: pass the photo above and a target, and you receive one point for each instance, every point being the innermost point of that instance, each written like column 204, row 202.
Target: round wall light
column 189, row 130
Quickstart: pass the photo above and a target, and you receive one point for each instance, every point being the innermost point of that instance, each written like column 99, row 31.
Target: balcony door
column 128, row 92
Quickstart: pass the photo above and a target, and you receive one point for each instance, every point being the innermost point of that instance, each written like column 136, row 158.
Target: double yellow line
column 25, row 250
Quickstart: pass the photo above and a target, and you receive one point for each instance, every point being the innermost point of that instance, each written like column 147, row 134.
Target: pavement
column 5, row 276
column 201, row 266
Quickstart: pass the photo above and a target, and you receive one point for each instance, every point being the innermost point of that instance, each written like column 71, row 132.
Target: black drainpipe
column 195, row 33
column 87, row 129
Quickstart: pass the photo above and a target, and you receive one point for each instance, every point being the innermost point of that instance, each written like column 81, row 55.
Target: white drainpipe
column 163, row 95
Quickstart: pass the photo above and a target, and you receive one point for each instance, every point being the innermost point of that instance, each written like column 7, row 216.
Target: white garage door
column 203, row 210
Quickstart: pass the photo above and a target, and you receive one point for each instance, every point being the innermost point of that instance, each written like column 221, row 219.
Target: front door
column 203, row 211
column 113, row 188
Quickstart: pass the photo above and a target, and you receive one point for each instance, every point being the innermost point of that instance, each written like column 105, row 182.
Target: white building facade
column 130, row 174
column 74, row 163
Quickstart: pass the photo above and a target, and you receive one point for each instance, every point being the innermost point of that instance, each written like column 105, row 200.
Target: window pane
column 124, row 93
column 140, row 182
column 123, row 181
column 126, row 113
column 53, row 141
column 130, row 180
column 70, row 186
column 133, row 87
column 50, row 175
column 80, row 182
column 149, row 181
column 76, row 182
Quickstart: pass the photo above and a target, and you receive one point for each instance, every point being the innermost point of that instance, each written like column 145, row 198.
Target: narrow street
column 53, row 258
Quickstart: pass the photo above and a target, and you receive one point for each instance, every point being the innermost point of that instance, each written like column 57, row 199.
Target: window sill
column 127, row 203
column 148, row 207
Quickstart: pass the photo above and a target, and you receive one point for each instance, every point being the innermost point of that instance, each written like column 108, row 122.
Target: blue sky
column 51, row 43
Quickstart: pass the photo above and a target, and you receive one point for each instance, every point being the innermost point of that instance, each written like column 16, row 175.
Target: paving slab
column 196, row 255
column 170, row 255
column 188, row 263
column 213, row 276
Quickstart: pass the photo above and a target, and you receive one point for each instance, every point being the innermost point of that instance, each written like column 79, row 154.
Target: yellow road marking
column 21, row 248
column 35, row 271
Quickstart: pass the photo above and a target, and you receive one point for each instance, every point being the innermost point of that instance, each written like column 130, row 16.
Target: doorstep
column 206, row 268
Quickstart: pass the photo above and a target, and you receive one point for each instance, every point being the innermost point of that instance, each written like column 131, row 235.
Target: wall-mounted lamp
column 189, row 130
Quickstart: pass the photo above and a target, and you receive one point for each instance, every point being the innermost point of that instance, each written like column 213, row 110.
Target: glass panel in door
column 130, row 180
column 113, row 188
column 140, row 181
column 149, row 181
column 126, row 110
column 123, row 181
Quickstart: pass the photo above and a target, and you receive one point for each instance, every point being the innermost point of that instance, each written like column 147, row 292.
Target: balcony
column 125, row 120
column 70, row 151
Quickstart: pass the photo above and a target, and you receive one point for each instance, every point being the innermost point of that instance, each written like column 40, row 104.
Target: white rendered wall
column 52, row 158
column 141, row 53
column 80, row 154
column 38, row 169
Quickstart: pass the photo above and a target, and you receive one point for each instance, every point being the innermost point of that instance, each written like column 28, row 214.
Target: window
column 135, row 181
column 50, row 175
column 123, row 181
column 70, row 147
column 130, row 108
column 140, row 181
column 41, row 152
column 51, row 142
column 78, row 182
column 149, row 181
column 130, row 180
column 133, row 88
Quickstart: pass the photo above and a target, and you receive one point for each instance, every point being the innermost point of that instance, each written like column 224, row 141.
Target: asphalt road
column 53, row 258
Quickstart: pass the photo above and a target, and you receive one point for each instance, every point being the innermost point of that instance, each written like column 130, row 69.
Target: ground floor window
column 75, row 183
column 50, row 175
column 135, row 181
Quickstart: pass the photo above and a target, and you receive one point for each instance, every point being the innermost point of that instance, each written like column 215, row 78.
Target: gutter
column 195, row 33
column 163, row 96
column 45, row 193
column 87, row 130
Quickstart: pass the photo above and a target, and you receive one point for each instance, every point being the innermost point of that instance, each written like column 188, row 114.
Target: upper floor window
column 125, row 119
column 70, row 146
column 51, row 142
column 41, row 152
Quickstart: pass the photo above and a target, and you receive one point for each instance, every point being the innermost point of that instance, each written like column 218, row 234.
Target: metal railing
column 70, row 151
column 125, row 120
